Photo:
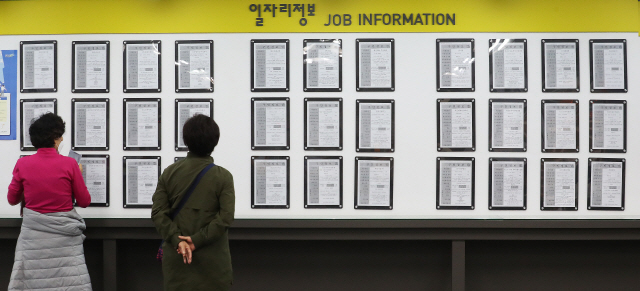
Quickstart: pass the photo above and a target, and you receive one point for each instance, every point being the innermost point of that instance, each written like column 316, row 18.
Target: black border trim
column 253, row 143
column 314, row 148
column 158, row 43
column 496, row 42
column 74, row 101
column 473, row 129
column 524, row 198
column 591, row 72
column 524, row 124
column 624, row 171
column 124, row 178
column 543, row 126
column 253, row 186
column 55, row 67
column 393, row 126
column 624, row 121
column 356, row 183
column 255, row 41
column 124, row 124
column 473, row 183
column 177, row 66
column 305, row 44
column 73, row 67
column 393, row 65
column 306, row 189
column 542, row 181
column 544, row 73
column 108, row 178
column 473, row 65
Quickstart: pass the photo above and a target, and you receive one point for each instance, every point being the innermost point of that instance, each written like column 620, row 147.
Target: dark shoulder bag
column 183, row 202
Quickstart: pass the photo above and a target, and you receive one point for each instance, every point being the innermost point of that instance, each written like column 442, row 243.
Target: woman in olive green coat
column 196, row 244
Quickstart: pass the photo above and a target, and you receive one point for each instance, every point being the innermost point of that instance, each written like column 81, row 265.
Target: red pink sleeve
column 80, row 192
column 16, row 191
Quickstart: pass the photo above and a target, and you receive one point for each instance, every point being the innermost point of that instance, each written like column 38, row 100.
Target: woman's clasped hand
column 186, row 248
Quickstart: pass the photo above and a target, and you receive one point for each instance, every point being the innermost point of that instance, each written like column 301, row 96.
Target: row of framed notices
column 322, row 65
column 456, row 118
column 323, row 123
column 270, row 123
column 560, row 129
column 455, row 65
column 508, row 183
column 323, row 182
column 373, row 187
column 142, row 70
column 90, row 121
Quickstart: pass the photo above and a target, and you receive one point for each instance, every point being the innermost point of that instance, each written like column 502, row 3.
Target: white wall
column 415, row 152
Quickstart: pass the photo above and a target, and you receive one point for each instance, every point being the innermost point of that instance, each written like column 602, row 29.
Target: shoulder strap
column 190, row 190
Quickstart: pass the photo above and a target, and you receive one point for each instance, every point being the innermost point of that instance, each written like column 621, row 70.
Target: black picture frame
column 442, row 148
column 253, row 123
column 439, row 88
column 492, row 147
column 124, row 124
column 126, row 43
column 496, row 44
column 544, row 66
column 124, row 179
column 306, row 179
column 623, row 163
column 74, row 102
column 74, row 44
column 524, row 174
column 22, row 125
column 55, row 66
column 543, row 125
column 253, row 185
column 175, row 159
column 473, row 183
column 542, row 183
column 176, row 127
column 393, row 125
column 306, row 124
column 108, row 179
column 305, row 45
column 357, row 183
column 179, row 63
column 254, row 88
column 591, row 65
column 391, row 88
column 591, row 126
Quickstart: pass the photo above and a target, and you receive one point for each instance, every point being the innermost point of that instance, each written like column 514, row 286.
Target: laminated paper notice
column 142, row 178
column 374, row 183
column 323, row 124
column 270, row 180
column 456, row 183
column 559, row 184
column 508, row 181
column 323, row 182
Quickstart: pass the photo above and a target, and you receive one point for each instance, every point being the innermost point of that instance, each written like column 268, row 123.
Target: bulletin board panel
column 416, row 123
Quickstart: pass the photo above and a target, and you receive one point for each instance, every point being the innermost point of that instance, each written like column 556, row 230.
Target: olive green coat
column 205, row 217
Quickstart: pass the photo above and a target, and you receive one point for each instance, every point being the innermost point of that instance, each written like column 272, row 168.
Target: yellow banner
column 209, row 16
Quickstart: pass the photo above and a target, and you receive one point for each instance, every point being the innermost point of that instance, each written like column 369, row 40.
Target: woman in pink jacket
column 49, row 253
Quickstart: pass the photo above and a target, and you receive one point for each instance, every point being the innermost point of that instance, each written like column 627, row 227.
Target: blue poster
column 8, row 94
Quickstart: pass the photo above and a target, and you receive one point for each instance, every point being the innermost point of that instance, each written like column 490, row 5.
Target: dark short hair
column 45, row 130
column 201, row 134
